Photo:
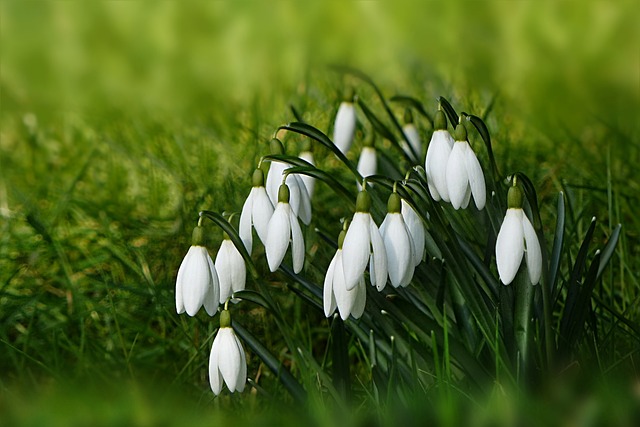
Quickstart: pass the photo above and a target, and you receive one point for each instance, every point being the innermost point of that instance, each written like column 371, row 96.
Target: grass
column 113, row 137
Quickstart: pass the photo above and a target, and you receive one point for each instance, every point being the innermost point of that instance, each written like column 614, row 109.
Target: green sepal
column 363, row 202
column 283, row 194
column 440, row 121
column 394, row 205
column 461, row 132
column 276, row 146
column 514, row 197
column 197, row 237
column 225, row 319
column 257, row 179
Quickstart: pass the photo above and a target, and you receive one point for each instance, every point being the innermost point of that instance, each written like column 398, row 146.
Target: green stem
column 548, row 337
column 524, row 297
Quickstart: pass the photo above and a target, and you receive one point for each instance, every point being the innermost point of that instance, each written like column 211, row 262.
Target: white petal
column 297, row 244
column 368, row 162
column 261, row 213
column 413, row 137
column 197, row 279
column 436, row 164
column 361, row 299
column 345, row 126
column 242, row 375
column 476, row 178
column 328, row 299
column 308, row 181
column 278, row 236
column 457, row 178
column 229, row 358
column 245, row 221
column 398, row 248
column 215, row 379
column 416, row 229
column 379, row 258
column 274, row 180
column 180, row 286
column 510, row 245
column 231, row 270
column 356, row 248
column 344, row 298
column 466, row 199
column 304, row 202
column 212, row 297
column 533, row 251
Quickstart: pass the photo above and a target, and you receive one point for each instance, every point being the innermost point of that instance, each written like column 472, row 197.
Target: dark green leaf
column 414, row 103
column 450, row 111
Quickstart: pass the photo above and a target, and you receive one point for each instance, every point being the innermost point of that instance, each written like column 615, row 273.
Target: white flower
column 517, row 237
column 197, row 282
column 413, row 141
column 464, row 174
column 282, row 229
column 256, row 212
column 309, row 182
column 438, row 157
column 397, row 243
column 232, row 271
column 227, row 360
column 299, row 197
column 345, row 125
column 363, row 244
column 416, row 230
column 348, row 302
column 368, row 163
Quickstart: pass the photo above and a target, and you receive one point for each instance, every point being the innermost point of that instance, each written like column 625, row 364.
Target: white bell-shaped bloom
column 414, row 141
column 397, row 243
column 363, row 245
column 515, row 238
column 416, row 230
column 345, row 126
column 231, row 269
column 464, row 174
column 438, row 157
column 299, row 197
column 256, row 212
column 309, row 182
column 348, row 302
column 197, row 282
column 283, row 228
column 368, row 163
column 227, row 361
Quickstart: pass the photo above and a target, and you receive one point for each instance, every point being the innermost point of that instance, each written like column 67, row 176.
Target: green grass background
column 120, row 120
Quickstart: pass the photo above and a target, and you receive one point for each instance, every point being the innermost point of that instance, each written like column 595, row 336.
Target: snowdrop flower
column 197, row 282
column 256, row 212
column 363, row 245
column 348, row 302
column 282, row 229
column 464, row 174
column 413, row 145
column 397, row 243
column 437, row 158
column 300, row 200
column 368, row 162
column 309, row 182
column 345, row 124
column 416, row 230
column 517, row 237
column 232, row 271
column 227, row 360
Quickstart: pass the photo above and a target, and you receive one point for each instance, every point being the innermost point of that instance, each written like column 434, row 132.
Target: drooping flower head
column 282, row 229
column 348, row 302
column 363, row 245
column 256, row 212
column 397, row 243
column 416, row 230
column 227, row 361
column 231, row 269
column 300, row 201
column 368, row 161
column 413, row 144
column 438, row 157
column 516, row 238
column 464, row 174
column 345, row 125
column 197, row 282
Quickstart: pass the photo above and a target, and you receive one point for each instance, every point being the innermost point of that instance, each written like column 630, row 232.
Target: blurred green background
column 119, row 120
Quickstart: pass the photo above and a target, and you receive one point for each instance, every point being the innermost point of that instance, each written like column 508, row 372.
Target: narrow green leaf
column 414, row 103
column 454, row 118
column 486, row 137
column 609, row 248
column 340, row 357
column 558, row 239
